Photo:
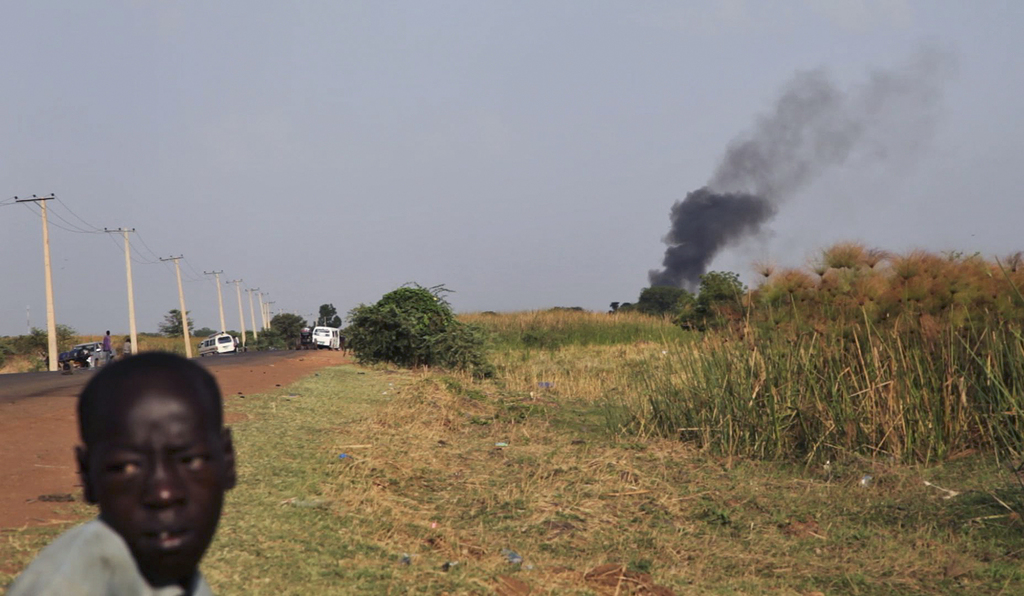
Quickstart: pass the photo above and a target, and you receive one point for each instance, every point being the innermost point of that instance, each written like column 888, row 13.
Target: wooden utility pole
column 241, row 316
column 131, row 295
column 181, row 299
column 252, row 313
column 220, row 299
column 51, row 319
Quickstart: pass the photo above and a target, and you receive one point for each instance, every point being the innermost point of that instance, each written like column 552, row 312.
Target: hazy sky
column 526, row 154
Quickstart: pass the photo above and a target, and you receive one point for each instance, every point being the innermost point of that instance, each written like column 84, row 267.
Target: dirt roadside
column 38, row 435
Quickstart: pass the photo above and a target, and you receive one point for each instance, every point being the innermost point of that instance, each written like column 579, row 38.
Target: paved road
column 19, row 386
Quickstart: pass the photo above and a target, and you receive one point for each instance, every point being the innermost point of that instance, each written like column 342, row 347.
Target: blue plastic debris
column 545, row 384
column 343, row 456
column 512, row 556
column 406, row 559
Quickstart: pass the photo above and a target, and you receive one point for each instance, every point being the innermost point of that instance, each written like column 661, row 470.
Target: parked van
column 218, row 343
column 327, row 337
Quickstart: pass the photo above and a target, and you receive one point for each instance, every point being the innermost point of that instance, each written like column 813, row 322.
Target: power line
column 87, row 224
column 199, row 276
column 151, row 251
column 75, row 230
column 140, row 260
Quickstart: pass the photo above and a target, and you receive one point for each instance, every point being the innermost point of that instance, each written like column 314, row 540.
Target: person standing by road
column 106, row 348
column 126, row 351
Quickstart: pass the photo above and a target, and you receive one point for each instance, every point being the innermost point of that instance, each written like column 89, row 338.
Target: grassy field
column 447, row 473
column 446, row 479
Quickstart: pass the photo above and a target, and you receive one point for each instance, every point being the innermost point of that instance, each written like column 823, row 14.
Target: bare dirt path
column 38, row 430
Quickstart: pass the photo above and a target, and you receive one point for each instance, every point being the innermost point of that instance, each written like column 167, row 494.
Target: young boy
column 157, row 459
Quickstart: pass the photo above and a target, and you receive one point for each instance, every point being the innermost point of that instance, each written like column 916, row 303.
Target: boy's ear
column 82, row 456
column 230, row 476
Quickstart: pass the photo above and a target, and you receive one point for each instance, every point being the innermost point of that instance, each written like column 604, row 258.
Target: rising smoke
column 812, row 127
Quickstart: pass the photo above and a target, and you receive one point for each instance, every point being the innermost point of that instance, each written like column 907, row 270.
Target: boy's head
column 157, row 459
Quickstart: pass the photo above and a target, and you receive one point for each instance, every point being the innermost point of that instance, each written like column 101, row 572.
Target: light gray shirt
column 91, row 559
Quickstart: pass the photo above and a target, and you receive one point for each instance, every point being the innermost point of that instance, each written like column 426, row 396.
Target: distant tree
column 720, row 297
column 6, row 349
column 171, row 327
column 36, row 342
column 328, row 316
column 201, row 332
column 719, row 287
column 288, row 326
column 614, row 306
column 661, row 300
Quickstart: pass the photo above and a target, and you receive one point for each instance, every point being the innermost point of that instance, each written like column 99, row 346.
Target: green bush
column 6, row 349
column 415, row 326
column 719, row 300
column 269, row 339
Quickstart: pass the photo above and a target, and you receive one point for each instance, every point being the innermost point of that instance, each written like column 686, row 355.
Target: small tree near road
column 288, row 326
column 171, row 327
column 415, row 326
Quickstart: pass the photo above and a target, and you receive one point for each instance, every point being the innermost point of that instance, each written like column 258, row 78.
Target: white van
column 327, row 337
column 218, row 343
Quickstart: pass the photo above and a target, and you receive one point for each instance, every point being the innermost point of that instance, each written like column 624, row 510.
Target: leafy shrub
column 36, row 342
column 269, row 339
column 719, row 299
column 415, row 326
column 6, row 349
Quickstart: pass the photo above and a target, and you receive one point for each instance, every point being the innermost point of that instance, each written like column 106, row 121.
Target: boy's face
column 159, row 475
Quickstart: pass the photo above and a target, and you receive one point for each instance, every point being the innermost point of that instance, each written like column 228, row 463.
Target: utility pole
column 269, row 312
column 181, row 299
column 220, row 300
column 252, row 313
column 131, row 295
column 51, row 319
column 263, row 310
column 241, row 316
column 28, row 320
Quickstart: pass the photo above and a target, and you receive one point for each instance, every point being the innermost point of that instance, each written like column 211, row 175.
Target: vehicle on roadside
column 327, row 337
column 218, row 343
column 305, row 341
column 87, row 355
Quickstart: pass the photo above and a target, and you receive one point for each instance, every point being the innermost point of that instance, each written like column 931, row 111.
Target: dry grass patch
column 454, row 486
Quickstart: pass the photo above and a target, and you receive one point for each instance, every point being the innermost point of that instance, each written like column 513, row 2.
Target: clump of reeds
column 916, row 359
column 851, row 282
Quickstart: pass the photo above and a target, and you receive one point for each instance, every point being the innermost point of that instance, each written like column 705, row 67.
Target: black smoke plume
column 812, row 127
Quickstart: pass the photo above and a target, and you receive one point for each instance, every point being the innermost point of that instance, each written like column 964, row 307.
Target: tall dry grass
column 548, row 329
column 914, row 356
column 818, row 396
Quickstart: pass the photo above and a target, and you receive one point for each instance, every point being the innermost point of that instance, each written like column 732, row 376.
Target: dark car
column 80, row 356
column 305, row 339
